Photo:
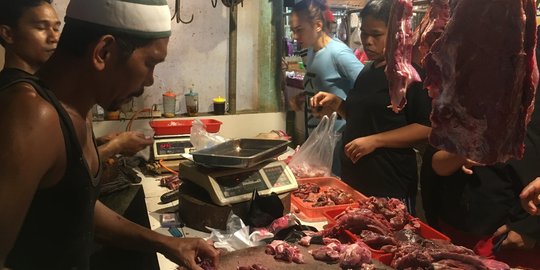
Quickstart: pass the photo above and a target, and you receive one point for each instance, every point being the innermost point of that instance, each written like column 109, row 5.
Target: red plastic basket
column 179, row 127
column 307, row 212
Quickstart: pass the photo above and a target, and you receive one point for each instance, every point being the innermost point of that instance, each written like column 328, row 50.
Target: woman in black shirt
column 379, row 159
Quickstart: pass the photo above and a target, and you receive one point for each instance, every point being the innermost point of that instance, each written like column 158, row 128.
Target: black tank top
column 57, row 232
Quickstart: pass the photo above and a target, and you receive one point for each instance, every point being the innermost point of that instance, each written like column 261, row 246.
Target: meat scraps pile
column 399, row 45
column 384, row 224
column 311, row 193
column 375, row 222
column 414, row 252
column 482, row 75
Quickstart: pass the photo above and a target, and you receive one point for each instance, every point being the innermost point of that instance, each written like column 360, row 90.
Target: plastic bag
column 201, row 139
column 237, row 235
column 315, row 156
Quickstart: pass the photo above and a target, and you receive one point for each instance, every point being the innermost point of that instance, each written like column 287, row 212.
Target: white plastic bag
column 237, row 235
column 315, row 156
column 201, row 139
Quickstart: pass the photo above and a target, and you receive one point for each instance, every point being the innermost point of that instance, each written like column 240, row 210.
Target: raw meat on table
column 349, row 256
column 399, row 44
column 482, row 76
column 284, row 251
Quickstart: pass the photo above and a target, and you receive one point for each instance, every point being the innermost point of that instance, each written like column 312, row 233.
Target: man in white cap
column 49, row 166
column 29, row 32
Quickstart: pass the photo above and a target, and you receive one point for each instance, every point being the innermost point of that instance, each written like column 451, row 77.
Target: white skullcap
column 142, row 18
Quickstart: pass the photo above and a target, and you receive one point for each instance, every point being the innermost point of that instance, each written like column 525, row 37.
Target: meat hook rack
column 177, row 14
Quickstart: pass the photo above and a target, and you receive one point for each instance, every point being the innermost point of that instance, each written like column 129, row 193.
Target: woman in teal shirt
column 330, row 65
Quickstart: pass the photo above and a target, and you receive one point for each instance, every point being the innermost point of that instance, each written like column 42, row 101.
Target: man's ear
column 6, row 34
column 103, row 51
column 318, row 26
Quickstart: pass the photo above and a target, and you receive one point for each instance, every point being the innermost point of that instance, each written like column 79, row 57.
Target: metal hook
column 177, row 14
column 214, row 3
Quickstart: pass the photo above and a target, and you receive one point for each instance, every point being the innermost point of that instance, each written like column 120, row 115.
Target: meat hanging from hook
column 177, row 14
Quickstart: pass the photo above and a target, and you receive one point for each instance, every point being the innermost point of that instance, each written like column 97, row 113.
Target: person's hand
column 329, row 103
column 530, row 197
column 468, row 164
column 514, row 240
column 130, row 142
column 107, row 138
column 186, row 252
column 360, row 147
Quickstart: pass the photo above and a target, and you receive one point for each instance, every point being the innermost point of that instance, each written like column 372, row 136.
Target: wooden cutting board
column 255, row 255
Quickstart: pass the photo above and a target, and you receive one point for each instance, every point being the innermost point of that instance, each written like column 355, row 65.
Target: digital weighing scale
column 170, row 147
column 232, row 186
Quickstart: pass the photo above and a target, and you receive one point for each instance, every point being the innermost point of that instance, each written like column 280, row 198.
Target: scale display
column 168, row 148
column 230, row 186
column 235, row 185
column 173, row 147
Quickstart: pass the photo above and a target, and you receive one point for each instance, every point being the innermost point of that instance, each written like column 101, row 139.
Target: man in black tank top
column 29, row 32
column 49, row 166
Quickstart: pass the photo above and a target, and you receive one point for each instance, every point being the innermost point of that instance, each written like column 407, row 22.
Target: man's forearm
column 107, row 150
column 113, row 229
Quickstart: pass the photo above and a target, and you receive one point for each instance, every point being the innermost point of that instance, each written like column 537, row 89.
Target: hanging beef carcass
column 430, row 29
column 482, row 75
column 399, row 71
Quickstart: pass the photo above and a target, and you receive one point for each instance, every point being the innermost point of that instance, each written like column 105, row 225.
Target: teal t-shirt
column 332, row 69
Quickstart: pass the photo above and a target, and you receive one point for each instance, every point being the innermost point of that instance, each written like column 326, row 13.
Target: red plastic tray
column 313, row 214
column 425, row 231
column 179, row 127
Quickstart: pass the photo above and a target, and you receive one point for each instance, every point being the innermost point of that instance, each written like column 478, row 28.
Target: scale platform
column 231, row 186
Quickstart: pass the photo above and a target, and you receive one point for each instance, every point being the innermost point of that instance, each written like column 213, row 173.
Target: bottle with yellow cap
column 219, row 105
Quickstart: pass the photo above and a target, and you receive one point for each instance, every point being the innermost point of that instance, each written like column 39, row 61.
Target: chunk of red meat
column 304, row 190
column 328, row 253
column 483, row 81
column 338, row 196
column 430, row 28
column 362, row 219
column 399, row 71
column 353, row 256
column 495, row 265
column 305, row 241
column 349, row 256
column 285, row 252
column 375, row 240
